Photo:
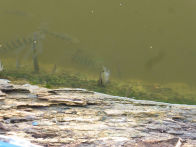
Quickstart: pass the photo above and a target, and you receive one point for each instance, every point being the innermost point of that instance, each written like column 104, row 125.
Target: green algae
column 176, row 93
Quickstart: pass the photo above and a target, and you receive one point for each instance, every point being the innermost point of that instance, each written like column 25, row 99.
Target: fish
column 8, row 46
column 153, row 61
column 18, row 13
column 81, row 58
column 18, row 41
column 23, row 41
column 14, row 44
column 61, row 36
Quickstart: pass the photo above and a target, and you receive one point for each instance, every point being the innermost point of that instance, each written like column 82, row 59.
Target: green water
column 150, row 40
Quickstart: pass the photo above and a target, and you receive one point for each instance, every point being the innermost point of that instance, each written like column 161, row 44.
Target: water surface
column 146, row 40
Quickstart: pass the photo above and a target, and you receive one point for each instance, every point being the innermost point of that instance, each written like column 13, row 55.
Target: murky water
column 148, row 40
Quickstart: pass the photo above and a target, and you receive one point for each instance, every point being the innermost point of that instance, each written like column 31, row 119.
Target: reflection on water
column 146, row 40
